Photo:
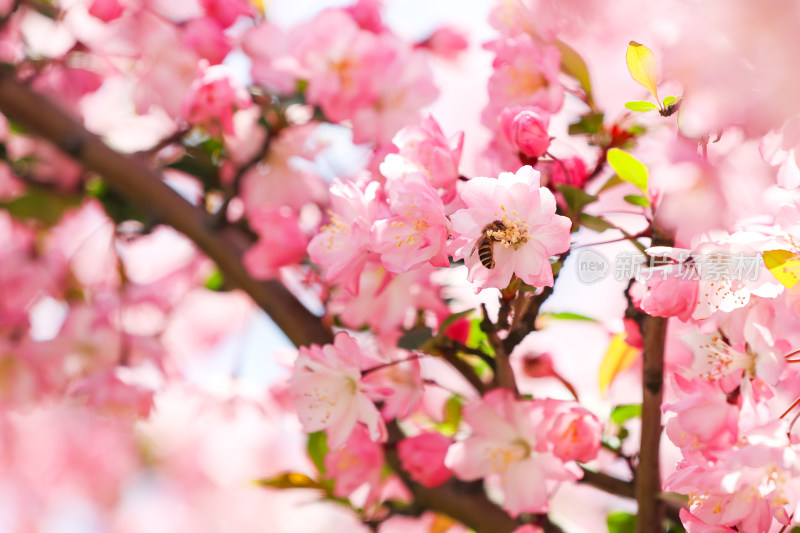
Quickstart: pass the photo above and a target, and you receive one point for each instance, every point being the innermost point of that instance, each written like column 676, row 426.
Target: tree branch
column 131, row 177
column 648, row 476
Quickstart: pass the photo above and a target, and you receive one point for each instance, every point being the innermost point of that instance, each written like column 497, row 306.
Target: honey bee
column 485, row 244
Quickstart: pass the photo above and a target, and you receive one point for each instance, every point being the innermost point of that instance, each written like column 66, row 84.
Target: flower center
column 720, row 359
column 515, row 232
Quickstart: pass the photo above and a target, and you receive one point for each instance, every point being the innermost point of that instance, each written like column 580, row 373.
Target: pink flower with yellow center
column 515, row 218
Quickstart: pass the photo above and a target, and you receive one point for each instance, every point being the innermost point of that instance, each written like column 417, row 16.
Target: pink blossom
column 566, row 171
column 212, row 100
column 341, row 248
column 356, row 463
column 509, row 440
column 286, row 178
column 206, row 37
column 423, row 457
column 397, row 103
column 525, row 74
column 108, row 394
column 445, row 42
column 574, row 431
column 780, row 148
column 329, row 394
column 424, row 148
column 341, row 63
column 532, row 231
column 417, row 230
column 273, row 65
column 387, row 302
column 281, row 242
column 397, row 382
column 227, row 11
column 749, row 488
column 705, row 423
column 367, row 14
column 670, row 296
column 692, row 524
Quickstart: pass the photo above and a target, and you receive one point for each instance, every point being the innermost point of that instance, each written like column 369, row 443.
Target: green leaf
column 477, row 337
column 291, row 480
column 669, row 100
column 795, row 529
column 597, row 224
column 452, row 415
column 635, row 199
column 628, row 168
column 567, row 316
column 642, row 66
column 623, row 413
column 41, row 204
column 215, row 281
column 641, row 105
column 415, row 338
column 613, row 181
column 621, row 523
column 575, row 198
column 588, row 124
column 96, row 187
column 317, row 448
column 573, row 65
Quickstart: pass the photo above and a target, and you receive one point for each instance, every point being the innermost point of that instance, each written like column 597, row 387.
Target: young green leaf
column 415, row 338
column 317, row 448
column 573, row 65
column 623, row 413
column 635, row 199
column 669, row 100
column 567, row 316
column 643, row 67
column 628, row 168
column 641, row 105
column 588, row 124
column 597, row 224
column 621, row 523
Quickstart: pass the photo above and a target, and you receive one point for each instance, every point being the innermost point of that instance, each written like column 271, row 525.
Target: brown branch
column 465, row 369
column 504, row 374
column 648, row 477
column 131, row 178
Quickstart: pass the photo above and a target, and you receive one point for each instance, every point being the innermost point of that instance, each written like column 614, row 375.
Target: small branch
column 504, row 374
column 527, row 322
column 609, row 484
column 134, row 180
column 463, row 368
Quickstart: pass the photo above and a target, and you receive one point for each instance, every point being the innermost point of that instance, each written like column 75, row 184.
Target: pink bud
column 575, row 435
column 526, row 130
column 106, row 10
column 423, row 457
column 538, row 366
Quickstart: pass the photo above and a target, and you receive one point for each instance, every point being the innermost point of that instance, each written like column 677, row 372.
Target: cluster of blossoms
column 313, row 152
